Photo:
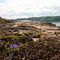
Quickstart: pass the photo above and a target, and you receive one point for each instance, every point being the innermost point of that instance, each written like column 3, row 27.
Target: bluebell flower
column 13, row 46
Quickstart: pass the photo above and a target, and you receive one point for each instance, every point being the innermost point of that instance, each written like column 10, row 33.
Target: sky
column 11, row 9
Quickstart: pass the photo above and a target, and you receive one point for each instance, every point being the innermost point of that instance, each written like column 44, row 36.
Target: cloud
column 29, row 8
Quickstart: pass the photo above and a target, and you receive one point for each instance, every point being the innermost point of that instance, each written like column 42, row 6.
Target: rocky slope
column 24, row 40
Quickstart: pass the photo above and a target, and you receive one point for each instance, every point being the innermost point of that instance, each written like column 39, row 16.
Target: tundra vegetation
column 27, row 42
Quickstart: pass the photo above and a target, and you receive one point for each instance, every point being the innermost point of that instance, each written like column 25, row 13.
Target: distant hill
column 46, row 19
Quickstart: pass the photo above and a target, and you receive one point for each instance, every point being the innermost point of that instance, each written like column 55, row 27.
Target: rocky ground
column 26, row 40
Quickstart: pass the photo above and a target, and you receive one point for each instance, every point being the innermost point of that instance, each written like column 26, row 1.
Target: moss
column 58, row 34
column 22, row 45
column 16, row 34
column 11, row 36
column 8, row 43
column 16, row 49
column 39, row 33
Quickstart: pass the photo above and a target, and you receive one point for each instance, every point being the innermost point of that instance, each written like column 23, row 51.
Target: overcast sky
column 29, row 8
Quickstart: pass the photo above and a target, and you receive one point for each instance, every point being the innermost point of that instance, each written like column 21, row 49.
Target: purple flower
column 13, row 46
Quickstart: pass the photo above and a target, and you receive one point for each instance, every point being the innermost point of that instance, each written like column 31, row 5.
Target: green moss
column 8, row 43
column 58, row 34
column 16, row 49
column 39, row 33
column 11, row 36
column 22, row 45
column 16, row 34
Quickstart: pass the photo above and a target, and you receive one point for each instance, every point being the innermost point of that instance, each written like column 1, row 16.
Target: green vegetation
column 58, row 34
column 31, row 43
column 11, row 36
column 2, row 20
column 39, row 33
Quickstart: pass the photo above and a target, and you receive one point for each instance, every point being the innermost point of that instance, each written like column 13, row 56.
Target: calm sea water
column 57, row 23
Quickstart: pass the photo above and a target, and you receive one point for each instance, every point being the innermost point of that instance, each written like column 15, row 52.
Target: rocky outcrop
column 23, row 40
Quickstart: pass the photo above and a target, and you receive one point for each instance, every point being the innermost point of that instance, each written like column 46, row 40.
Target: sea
column 56, row 23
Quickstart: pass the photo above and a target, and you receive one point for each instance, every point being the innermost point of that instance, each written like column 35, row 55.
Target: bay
column 56, row 23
